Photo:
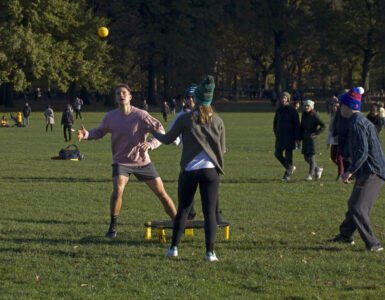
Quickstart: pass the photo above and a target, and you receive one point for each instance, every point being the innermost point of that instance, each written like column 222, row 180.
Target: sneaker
column 308, row 178
column 339, row 178
column 172, row 252
column 291, row 170
column 318, row 173
column 376, row 248
column 343, row 240
column 210, row 256
column 286, row 176
column 111, row 233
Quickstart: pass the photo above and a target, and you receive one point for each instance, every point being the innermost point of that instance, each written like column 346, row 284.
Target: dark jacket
column 197, row 137
column 26, row 111
column 366, row 154
column 341, row 131
column 311, row 123
column 286, row 127
column 376, row 120
column 67, row 118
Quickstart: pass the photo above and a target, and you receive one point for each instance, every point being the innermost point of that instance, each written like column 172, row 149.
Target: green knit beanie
column 204, row 93
column 287, row 95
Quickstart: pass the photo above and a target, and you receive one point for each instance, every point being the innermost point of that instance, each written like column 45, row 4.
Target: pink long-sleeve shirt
column 127, row 133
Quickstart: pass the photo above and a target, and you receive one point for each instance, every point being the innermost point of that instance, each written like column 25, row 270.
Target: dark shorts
column 143, row 173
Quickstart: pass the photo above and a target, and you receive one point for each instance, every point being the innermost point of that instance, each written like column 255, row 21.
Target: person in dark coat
column 311, row 128
column 287, row 134
column 67, row 120
column 374, row 117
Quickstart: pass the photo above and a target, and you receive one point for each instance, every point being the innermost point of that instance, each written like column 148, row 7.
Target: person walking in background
column 67, row 120
column 49, row 117
column 26, row 113
column 368, row 168
column 165, row 109
column 78, row 107
column 287, row 134
column 374, row 117
column 129, row 128
column 332, row 143
column 311, row 128
column 203, row 135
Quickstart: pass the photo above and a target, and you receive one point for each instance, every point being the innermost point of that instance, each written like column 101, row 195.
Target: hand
column 143, row 148
column 156, row 127
column 346, row 177
column 313, row 135
column 81, row 133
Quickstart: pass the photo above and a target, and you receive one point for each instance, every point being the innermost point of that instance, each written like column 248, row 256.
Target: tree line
column 159, row 47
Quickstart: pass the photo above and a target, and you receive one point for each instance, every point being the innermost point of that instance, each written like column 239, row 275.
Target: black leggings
column 208, row 181
column 67, row 128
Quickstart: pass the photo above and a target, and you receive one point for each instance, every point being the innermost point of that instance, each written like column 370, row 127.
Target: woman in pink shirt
column 129, row 128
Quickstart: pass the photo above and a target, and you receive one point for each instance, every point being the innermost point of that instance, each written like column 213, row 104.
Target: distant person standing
column 37, row 94
column 374, row 117
column 67, row 120
column 50, row 118
column 145, row 105
column 311, row 128
column 26, row 112
column 173, row 106
column 332, row 142
column 165, row 109
column 367, row 166
column 78, row 107
column 287, row 134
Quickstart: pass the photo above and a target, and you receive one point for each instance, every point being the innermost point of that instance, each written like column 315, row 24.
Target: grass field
column 54, row 215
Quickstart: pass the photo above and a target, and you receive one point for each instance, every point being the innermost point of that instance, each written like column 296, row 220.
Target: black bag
column 68, row 153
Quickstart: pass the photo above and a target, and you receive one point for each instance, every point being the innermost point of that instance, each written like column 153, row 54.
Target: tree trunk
column 366, row 69
column 8, row 101
column 235, row 87
column 151, row 82
column 277, row 62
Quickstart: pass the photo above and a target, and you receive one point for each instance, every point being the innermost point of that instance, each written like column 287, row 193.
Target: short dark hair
column 123, row 85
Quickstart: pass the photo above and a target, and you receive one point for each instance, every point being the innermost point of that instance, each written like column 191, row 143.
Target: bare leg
column 119, row 183
column 156, row 185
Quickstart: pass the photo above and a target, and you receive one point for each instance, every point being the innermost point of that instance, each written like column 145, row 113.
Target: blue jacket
column 365, row 148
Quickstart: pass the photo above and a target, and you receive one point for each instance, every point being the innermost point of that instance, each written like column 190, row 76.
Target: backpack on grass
column 68, row 153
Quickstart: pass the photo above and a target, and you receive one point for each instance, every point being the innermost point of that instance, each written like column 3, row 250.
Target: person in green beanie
column 203, row 137
column 287, row 133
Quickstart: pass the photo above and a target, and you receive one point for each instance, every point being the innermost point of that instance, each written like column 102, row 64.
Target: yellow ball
column 103, row 32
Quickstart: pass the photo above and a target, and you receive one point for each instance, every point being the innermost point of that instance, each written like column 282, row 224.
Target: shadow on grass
column 55, row 179
column 269, row 245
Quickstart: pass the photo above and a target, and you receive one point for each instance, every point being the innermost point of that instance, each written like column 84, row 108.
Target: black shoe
column 343, row 240
column 112, row 232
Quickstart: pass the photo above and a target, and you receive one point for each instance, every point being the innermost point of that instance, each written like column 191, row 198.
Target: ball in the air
column 103, row 32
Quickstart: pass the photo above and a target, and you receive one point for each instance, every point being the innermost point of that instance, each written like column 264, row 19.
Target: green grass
column 54, row 215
